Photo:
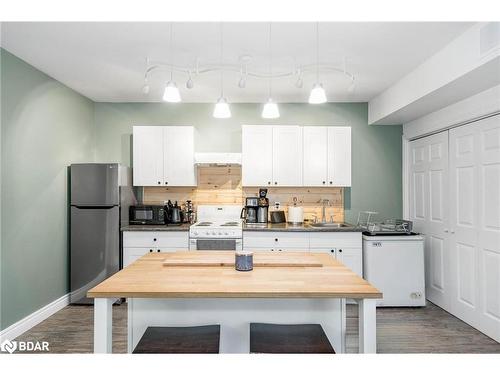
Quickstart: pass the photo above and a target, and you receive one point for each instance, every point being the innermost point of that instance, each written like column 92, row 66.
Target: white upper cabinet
column 339, row 156
column 315, row 155
column 296, row 155
column 163, row 156
column 178, row 156
column 257, row 155
column 148, row 155
column 287, row 156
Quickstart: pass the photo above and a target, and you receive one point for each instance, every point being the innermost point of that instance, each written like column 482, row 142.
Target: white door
column 287, row 156
column 148, row 155
column 179, row 168
column 315, row 169
column 475, row 224
column 339, row 156
column 429, row 211
column 257, row 155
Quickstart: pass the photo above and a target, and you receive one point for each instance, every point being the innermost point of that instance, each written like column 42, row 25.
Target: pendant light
column 270, row 109
column 317, row 95
column 171, row 93
column 221, row 109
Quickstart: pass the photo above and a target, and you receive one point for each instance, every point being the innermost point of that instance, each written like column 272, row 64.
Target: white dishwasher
column 394, row 264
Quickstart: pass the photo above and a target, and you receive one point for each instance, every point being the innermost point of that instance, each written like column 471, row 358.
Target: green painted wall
column 376, row 150
column 45, row 127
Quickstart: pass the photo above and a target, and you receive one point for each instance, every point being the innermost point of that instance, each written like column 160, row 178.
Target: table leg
column 367, row 325
column 103, row 325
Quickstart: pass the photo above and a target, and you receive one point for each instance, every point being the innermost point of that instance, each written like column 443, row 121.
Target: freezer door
column 95, row 184
column 95, row 248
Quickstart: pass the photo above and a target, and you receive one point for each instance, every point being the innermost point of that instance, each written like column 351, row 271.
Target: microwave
column 147, row 215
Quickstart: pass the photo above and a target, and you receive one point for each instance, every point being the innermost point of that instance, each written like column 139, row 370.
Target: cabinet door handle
column 150, row 250
column 166, row 182
column 276, row 240
column 446, row 230
column 269, row 182
column 332, row 251
column 331, row 182
column 280, row 250
column 452, row 231
column 275, row 182
column 154, row 239
column 158, row 250
column 324, row 182
column 159, row 182
column 340, row 250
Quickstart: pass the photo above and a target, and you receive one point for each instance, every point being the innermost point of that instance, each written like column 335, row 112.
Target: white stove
column 217, row 228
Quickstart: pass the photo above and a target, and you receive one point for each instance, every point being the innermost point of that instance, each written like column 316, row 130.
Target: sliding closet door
column 475, row 224
column 429, row 211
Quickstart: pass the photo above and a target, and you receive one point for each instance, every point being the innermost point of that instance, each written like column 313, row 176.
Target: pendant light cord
column 270, row 64
column 170, row 52
column 317, row 52
column 221, row 59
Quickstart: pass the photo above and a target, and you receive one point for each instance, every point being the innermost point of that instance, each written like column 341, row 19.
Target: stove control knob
column 195, row 233
column 225, row 233
column 220, row 233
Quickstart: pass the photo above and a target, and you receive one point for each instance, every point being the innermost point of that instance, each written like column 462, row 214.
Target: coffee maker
column 249, row 212
column 263, row 207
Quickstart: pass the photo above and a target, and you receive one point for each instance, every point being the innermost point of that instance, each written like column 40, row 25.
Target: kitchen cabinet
column 275, row 241
column 344, row 246
column 339, row 156
column 296, row 155
column 136, row 244
column 257, row 155
column 163, row 156
column 271, row 155
column 315, row 162
column 327, row 155
column 148, row 155
column 287, row 156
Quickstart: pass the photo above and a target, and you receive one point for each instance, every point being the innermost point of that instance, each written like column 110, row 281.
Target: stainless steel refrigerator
column 100, row 197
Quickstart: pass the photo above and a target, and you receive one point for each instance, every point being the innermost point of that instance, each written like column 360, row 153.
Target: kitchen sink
column 330, row 225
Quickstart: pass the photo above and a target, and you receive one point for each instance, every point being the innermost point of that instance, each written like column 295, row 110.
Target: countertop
column 285, row 227
column 156, row 228
column 149, row 278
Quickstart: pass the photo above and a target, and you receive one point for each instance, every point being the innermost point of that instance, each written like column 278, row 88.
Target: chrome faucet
column 323, row 209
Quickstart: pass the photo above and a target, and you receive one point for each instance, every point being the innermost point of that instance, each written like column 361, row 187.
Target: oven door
column 230, row 244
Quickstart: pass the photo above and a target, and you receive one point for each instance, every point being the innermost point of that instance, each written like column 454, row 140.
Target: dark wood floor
column 399, row 330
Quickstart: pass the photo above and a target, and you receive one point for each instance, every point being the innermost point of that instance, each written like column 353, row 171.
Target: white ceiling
column 106, row 61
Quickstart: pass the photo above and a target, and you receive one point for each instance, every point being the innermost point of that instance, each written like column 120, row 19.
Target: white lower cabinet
column 136, row 244
column 344, row 246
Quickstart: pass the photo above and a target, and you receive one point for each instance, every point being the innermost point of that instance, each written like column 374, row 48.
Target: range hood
column 217, row 158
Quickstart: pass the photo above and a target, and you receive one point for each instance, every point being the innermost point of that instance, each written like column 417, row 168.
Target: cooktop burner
column 230, row 224
column 204, row 224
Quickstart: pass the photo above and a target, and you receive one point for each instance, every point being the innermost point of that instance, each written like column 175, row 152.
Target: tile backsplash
column 222, row 185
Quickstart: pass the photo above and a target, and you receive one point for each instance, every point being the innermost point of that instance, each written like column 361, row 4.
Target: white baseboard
column 33, row 319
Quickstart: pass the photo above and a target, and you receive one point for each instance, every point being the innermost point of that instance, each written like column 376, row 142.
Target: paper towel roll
column 295, row 214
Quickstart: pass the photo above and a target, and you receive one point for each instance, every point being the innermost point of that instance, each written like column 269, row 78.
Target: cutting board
column 226, row 259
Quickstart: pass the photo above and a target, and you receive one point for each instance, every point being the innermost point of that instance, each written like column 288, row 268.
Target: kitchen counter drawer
column 271, row 240
column 131, row 254
column 179, row 240
column 331, row 239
